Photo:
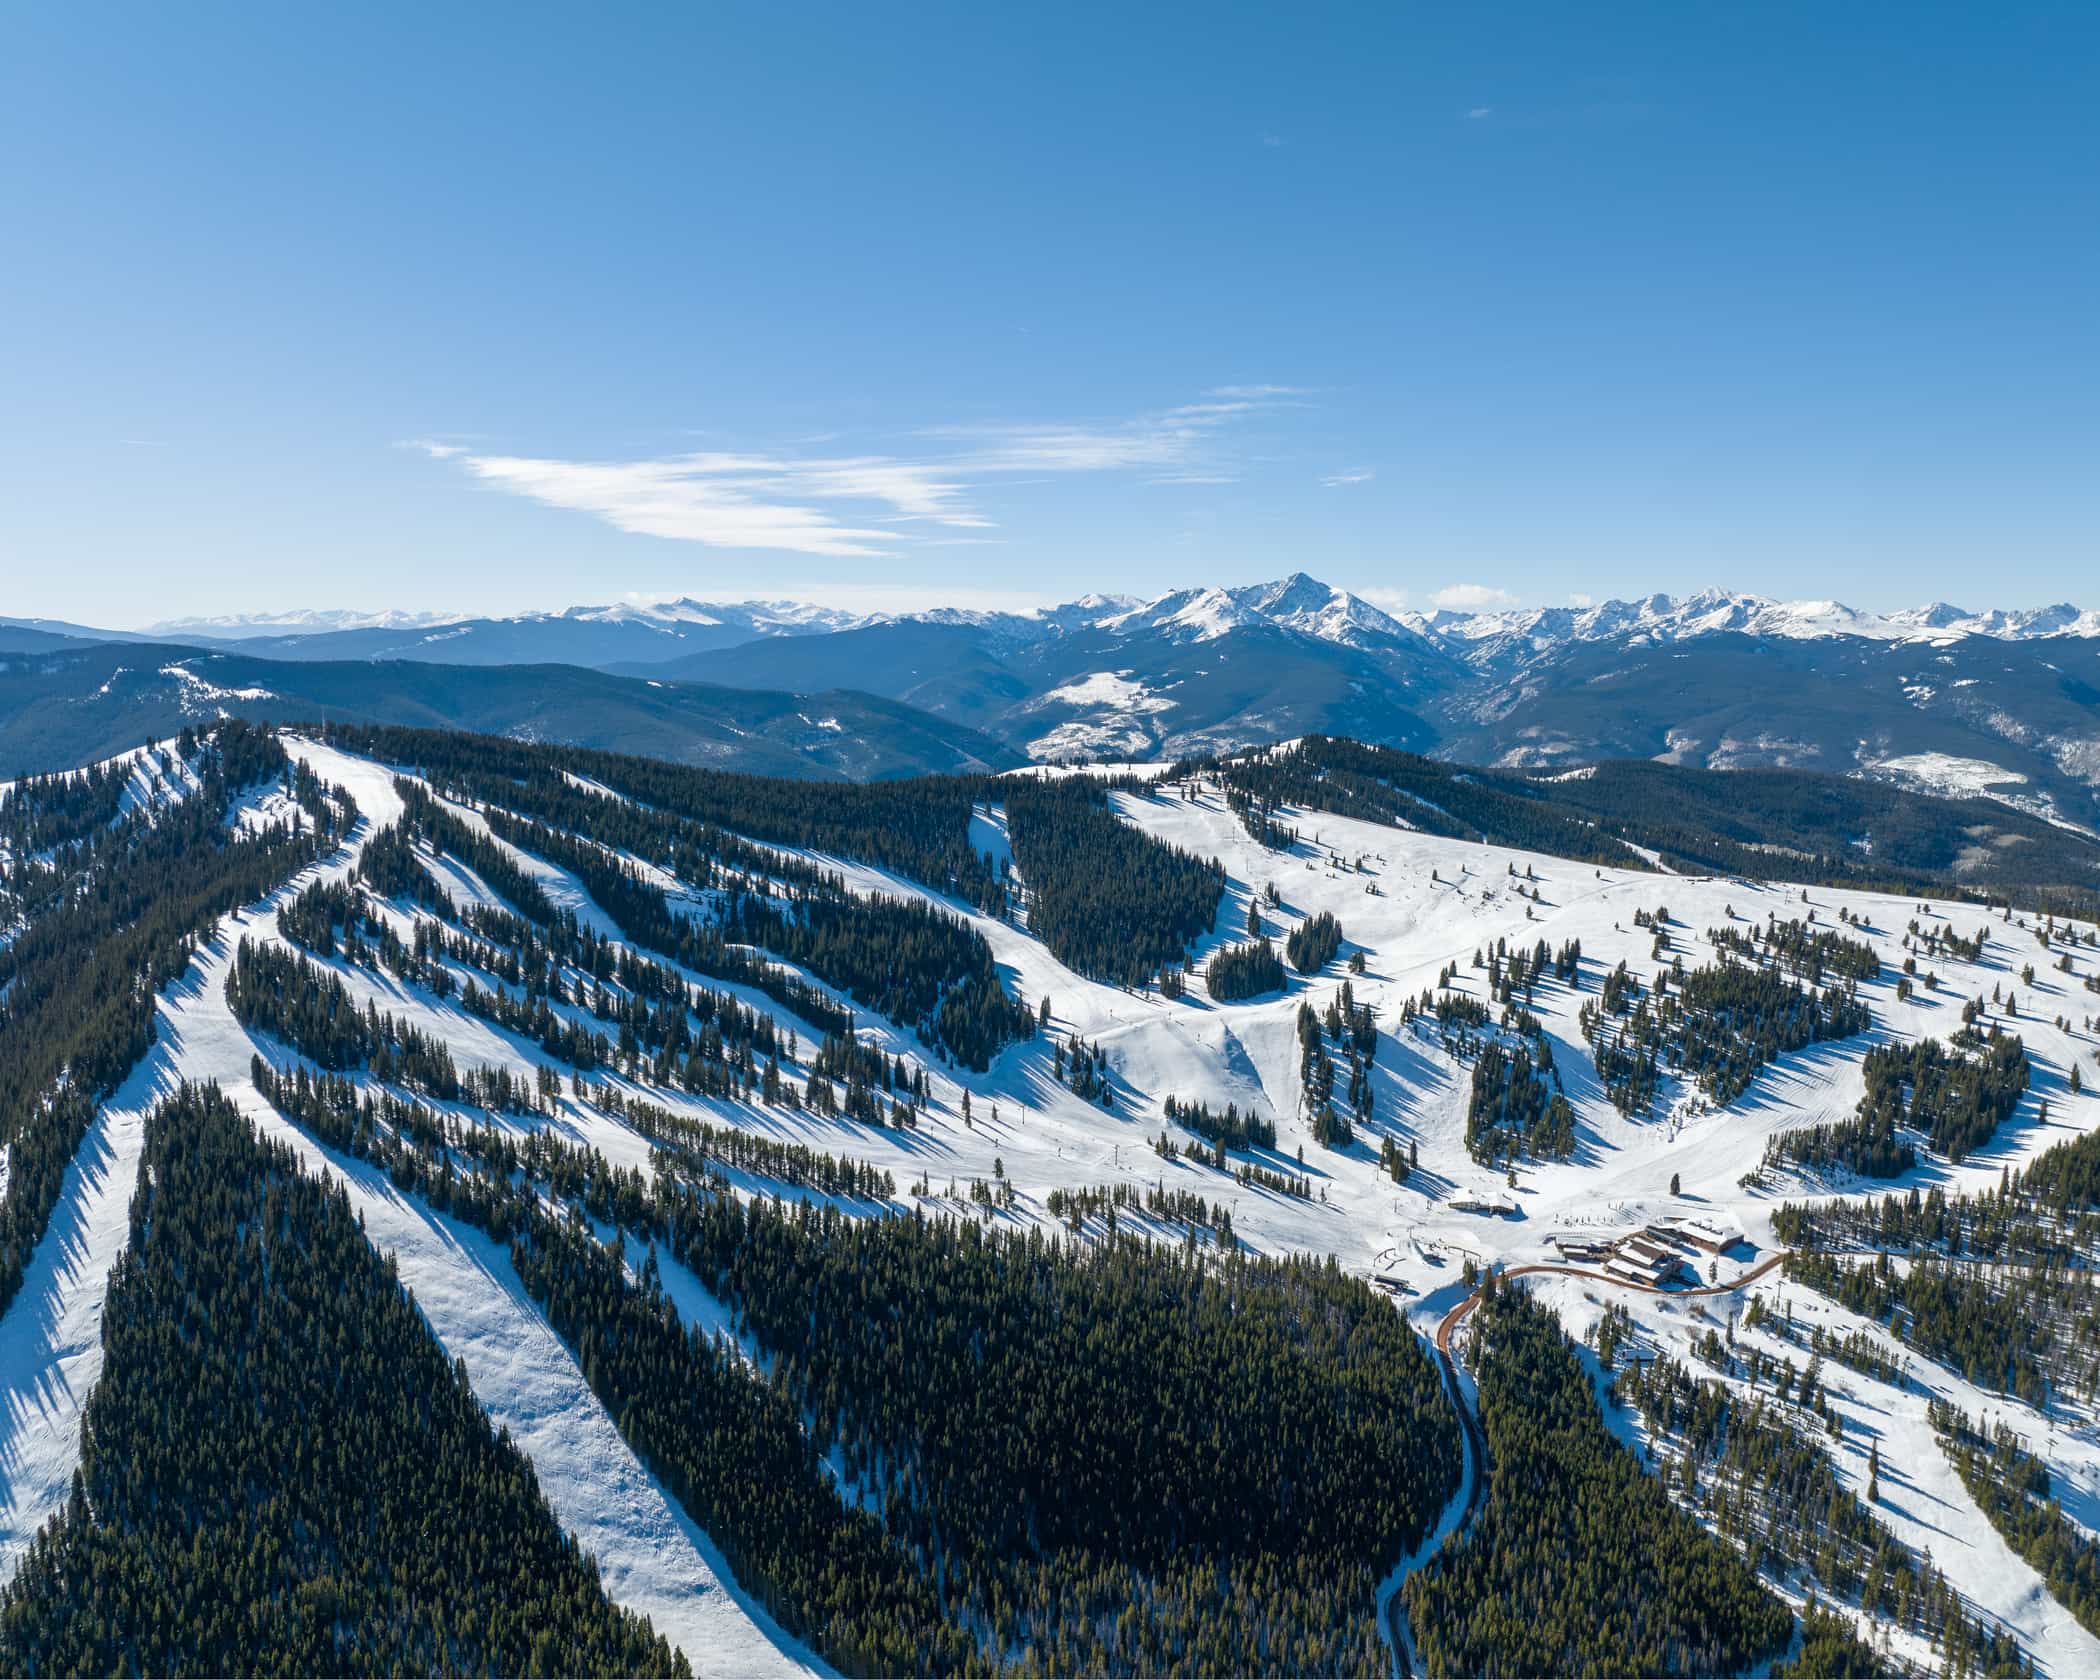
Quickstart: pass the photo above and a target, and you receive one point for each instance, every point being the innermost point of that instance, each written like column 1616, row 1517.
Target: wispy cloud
column 1472, row 597
column 862, row 506
column 732, row 501
column 1480, row 111
column 1362, row 475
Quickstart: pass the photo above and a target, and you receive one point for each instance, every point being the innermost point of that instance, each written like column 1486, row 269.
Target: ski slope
column 1410, row 903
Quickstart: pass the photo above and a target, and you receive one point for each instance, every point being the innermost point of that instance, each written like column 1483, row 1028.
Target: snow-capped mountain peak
column 1197, row 615
column 1516, row 632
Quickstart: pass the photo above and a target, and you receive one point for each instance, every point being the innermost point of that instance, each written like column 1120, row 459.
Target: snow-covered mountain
column 1298, row 603
column 1939, row 695
column 1664, row 1212
column 307, row 621
column 634, row 631
column 1488, row 637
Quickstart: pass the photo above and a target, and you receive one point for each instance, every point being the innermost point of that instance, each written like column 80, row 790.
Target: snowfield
column 1410, row 904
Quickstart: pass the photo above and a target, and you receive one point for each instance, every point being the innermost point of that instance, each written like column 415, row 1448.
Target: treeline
column 689, row 1143
column 78, row 984
column 2044, row 1215
column 1957, row 1101
column 1804, row 950
column 277, row 991
column 906, row 959
column 638, row 1013
column 46, row 813
column 1109, row 900
column 1385, row 785
column 281, row 1471
column 1754, row 1471
column 643, row 914
column 389, row 863
column 1228, row 1128
column 1514, row 975
column 1577, row 1563
column 1511, row 1110
column 1352, row 1028
column 1110, row 1203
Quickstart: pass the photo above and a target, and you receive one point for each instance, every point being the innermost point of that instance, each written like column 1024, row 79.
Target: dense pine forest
column 1006, row 1448
column 282, row 1472
column 1578, row 1563
column 1237, row 972
column 1512, row 1109
column 1110, row 901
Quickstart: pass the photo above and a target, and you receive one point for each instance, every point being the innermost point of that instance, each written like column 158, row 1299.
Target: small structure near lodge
column 1482, row 1205
column 1645, row 1260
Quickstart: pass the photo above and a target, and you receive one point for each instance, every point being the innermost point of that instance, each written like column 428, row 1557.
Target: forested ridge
column 920, row 827
column 281, row 1472
column 1765, row 825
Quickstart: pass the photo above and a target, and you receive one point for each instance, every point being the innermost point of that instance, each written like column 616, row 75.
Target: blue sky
column 509, row 307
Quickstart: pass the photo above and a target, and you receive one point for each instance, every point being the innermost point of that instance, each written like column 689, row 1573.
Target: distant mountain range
column 1937, row 698
column 65, row 702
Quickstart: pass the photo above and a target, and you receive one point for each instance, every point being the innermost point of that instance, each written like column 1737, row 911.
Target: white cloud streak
column 857, row 506
column 1362, row 475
